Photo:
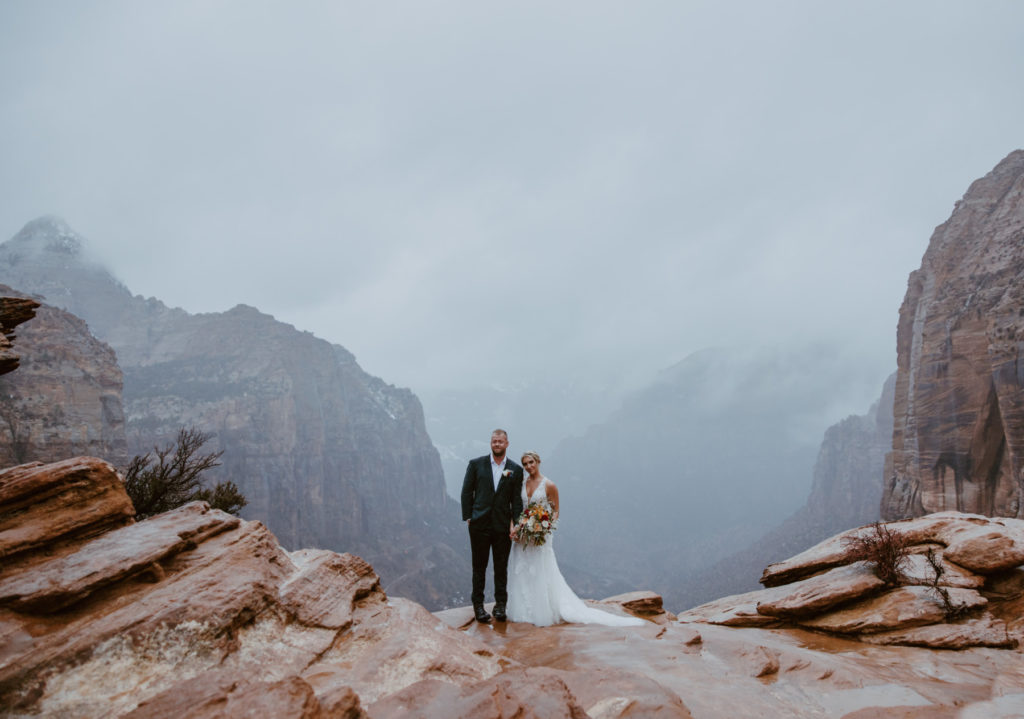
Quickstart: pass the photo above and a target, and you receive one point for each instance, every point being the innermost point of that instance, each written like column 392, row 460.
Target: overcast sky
column 468, row 192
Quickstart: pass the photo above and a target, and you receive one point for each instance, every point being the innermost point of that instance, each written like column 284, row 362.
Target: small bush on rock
column 951, row 610
column 169, row 477
column 884, row 548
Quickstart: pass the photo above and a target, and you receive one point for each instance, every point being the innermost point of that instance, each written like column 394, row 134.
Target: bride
column 537, row 593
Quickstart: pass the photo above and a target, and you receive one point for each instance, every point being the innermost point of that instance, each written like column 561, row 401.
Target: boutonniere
column 507, row 473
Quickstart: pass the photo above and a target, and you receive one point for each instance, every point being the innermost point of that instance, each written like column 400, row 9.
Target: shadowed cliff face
column 958, row 441
column 327, row 455
column 65, row 397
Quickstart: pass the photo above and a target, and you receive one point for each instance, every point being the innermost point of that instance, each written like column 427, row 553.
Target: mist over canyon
column 682, row 485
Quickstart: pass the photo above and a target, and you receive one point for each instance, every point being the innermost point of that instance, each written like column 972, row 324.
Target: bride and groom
column 494, row 494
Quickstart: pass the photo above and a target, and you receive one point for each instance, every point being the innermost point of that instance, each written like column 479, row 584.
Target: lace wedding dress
column 538, row 594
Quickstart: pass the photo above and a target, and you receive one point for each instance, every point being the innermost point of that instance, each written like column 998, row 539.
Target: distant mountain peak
column 49, row 233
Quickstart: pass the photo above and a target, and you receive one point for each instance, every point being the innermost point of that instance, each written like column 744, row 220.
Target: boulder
column 647, row 605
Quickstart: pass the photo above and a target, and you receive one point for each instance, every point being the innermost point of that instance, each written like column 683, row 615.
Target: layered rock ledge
column 13, row 311
column 195, row 613
column 828, row 588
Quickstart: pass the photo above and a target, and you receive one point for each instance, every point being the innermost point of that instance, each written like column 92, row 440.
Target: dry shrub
column 171, row 476
column 952, row 611
column 885, row 548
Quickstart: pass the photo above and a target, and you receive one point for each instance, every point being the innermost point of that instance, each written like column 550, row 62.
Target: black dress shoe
column 481, row 613
column 499, row 612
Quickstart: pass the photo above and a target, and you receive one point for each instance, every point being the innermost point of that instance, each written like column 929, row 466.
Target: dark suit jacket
column 483, row 503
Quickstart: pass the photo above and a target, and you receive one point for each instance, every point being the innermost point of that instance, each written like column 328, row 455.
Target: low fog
column 515, row 196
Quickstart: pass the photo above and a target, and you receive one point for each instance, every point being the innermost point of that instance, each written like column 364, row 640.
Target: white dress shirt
column 497, row 469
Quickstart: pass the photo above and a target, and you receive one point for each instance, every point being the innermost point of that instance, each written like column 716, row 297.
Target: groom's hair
column 502, row 432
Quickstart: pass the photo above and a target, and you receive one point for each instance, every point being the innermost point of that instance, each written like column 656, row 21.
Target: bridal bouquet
column 535, row 524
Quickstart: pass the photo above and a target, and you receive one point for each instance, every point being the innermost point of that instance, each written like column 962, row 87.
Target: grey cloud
column 606, row 187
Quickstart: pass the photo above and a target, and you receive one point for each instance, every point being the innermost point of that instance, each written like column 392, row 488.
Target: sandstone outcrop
column 13, row 311
column 958, row 442
column 195, row 613
column 826, row 588
column 327, row 455
column 192, row 611
column 65, row 398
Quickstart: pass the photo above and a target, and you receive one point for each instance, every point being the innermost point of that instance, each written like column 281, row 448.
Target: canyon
column 327, row 455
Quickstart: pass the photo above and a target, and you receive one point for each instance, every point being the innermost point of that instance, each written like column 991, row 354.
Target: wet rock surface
column 194, row 613
column 970, row 601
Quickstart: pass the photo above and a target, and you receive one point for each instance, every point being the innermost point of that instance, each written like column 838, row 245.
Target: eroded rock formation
column 327, row 455
column 958, row 442
column 13, row 311
column 195, row 613
column 65, row 398
column 193, row 597
column 827, row 588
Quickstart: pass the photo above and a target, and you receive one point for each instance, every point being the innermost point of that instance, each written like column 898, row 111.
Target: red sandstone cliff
column 65, row 398
column 958, row 440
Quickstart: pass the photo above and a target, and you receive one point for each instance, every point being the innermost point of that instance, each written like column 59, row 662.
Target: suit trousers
column 484, row 541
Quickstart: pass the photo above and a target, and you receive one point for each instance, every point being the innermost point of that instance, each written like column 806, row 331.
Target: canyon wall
column 958, row 440
column 65, row 398
column 327, row 455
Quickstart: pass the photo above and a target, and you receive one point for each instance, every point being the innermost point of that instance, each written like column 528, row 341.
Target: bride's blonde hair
column 535, row 456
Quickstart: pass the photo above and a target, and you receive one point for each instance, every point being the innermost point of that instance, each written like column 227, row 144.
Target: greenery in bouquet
column 536, row 524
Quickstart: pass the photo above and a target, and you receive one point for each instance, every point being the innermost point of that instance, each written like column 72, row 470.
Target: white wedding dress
column 538, row 594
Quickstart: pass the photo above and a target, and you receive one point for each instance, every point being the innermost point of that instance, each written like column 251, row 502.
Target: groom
column 491, row 501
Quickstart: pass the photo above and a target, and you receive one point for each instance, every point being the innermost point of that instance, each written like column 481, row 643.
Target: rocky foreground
column 195, row 613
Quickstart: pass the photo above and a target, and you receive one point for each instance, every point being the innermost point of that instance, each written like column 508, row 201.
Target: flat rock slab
column 980, row 632
column 823, row 591
column 738, row 610
column 41, row 503
column 900, row 608
column 52, row 585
